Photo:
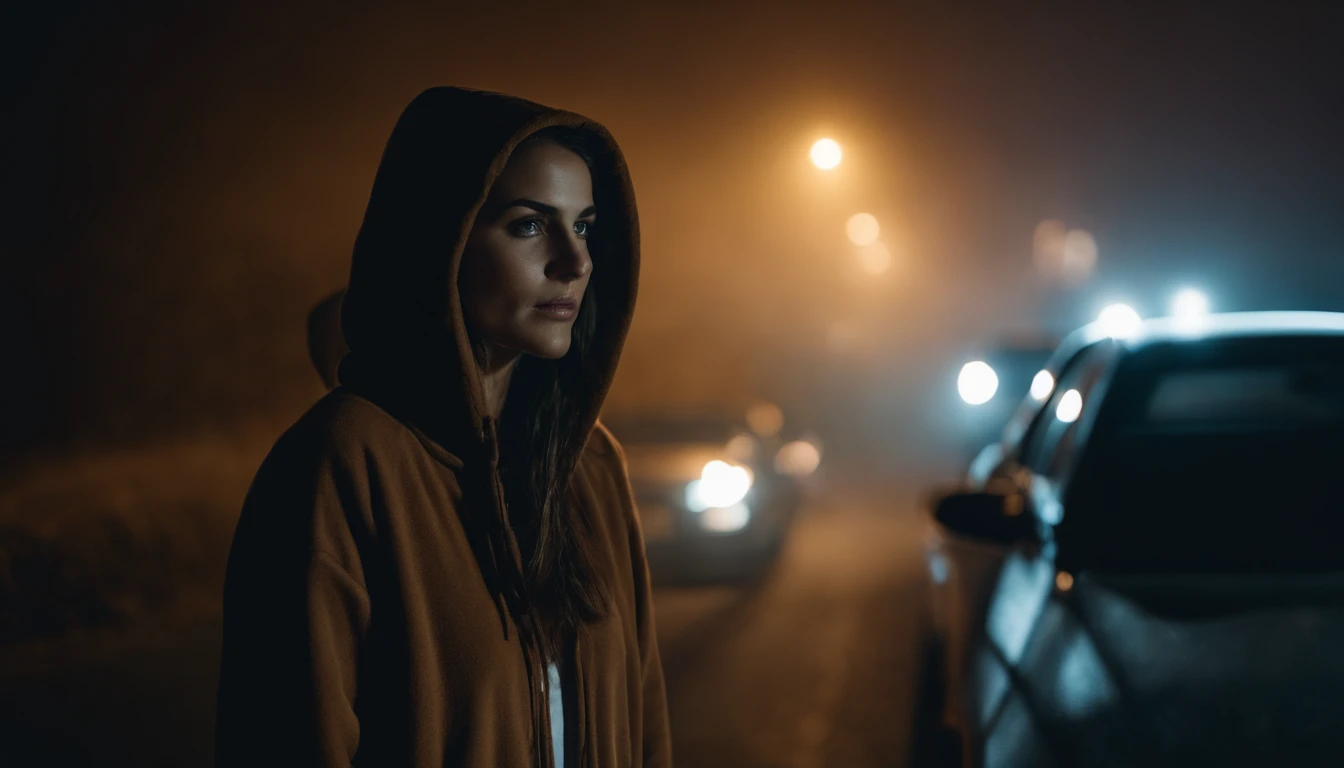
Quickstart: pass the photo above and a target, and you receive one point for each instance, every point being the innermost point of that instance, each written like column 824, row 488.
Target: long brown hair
column 541, row 438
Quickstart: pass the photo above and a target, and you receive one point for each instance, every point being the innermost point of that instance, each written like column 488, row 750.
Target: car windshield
column 1215, row 456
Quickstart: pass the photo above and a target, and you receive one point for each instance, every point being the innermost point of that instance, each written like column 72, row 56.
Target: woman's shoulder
column 341, row 429
column 603, row 444
column 603, row 462
column 315, row 489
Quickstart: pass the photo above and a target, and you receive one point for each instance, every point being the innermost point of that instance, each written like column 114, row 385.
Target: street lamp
column 826, row 154
column 1190, row 304
column 1119, row 320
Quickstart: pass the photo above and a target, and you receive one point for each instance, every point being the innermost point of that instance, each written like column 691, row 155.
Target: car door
column 1025, row 615
column 963, row 572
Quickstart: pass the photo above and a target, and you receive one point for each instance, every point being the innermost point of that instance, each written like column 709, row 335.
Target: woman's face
column 526, row 265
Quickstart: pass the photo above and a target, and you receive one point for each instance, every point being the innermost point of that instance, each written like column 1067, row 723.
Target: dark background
column 187, row 180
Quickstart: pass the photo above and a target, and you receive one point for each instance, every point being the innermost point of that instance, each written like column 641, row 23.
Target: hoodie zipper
column 540, row 717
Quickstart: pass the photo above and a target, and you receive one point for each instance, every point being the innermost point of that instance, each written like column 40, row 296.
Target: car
column 960, row 571
column 1157, row 576
column 716, row 498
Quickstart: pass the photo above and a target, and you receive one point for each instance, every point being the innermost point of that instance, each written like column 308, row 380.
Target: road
column 810, row 667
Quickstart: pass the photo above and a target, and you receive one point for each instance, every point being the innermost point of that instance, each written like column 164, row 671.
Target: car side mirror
column 998, row 517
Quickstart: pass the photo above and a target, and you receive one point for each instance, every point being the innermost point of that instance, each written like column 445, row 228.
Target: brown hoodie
column 374, row 595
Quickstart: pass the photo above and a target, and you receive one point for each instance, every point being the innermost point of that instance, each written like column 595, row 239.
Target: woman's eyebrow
column 549, row 210
column 522, row 202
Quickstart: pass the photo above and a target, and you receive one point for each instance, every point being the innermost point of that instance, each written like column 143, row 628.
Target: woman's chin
column 549, row 349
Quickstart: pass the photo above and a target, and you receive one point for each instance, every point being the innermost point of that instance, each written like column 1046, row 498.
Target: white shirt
column 557, row 699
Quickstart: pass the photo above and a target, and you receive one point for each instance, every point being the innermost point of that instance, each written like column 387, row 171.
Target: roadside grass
column 113, row 538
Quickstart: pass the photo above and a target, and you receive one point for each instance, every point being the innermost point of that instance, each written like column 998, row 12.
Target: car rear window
column 1214, row 457
column 1286, row 394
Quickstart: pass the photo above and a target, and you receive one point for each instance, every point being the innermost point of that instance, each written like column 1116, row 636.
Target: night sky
column 189, row 182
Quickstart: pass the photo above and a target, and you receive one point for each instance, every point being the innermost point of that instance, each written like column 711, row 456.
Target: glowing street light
column 1190, row 304
column 1119, row 320
column 977, row 383
column 826, row 154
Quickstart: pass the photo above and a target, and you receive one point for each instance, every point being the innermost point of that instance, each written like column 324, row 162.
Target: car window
column 1054, row 435
column 1213, row 456
column 1271, row 395
column 1021, row 430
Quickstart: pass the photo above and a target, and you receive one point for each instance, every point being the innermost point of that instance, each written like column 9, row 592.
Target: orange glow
column 1064, row 581
column 765, row 419
column 798, row 458
column 875, row 258
column 826, row 154
column 862, row 229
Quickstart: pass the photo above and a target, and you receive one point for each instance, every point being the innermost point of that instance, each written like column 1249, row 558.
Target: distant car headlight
column 977, row 383
column 798, row 458
column 720, row 485
column 725, row 519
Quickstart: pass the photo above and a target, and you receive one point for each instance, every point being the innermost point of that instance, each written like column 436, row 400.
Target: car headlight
column 725, row 519
column 720, row 485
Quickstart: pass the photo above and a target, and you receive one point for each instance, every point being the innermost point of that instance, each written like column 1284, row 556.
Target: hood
column 402, row 316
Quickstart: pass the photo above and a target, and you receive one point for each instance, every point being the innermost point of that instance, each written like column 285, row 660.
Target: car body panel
column 1046, row 667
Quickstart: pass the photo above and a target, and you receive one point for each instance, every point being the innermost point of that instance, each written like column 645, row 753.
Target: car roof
column 1226, row 325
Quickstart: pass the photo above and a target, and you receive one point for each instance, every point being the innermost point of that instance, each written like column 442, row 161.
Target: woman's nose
column 571, row 260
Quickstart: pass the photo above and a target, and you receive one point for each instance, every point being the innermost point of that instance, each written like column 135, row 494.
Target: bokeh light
column 1119, row 320
column 977, row 383
column 875, row 258
column 1189, row 304
column 741, row 448
column 765, row 419
column 720, row 485
column 1062, row 254
column 725, row 519
column 798, row 458
column 862, row 229
column 826, row 154
column 1070, row 406
column 1041, row 386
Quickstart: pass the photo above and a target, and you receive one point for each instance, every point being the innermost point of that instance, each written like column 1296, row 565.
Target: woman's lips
column 559, row 309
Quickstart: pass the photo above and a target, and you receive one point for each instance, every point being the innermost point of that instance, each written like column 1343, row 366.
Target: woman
column 440, row 563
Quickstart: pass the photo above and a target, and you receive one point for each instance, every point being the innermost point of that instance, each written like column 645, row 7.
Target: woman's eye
column 582, row 228
column 527, row 228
